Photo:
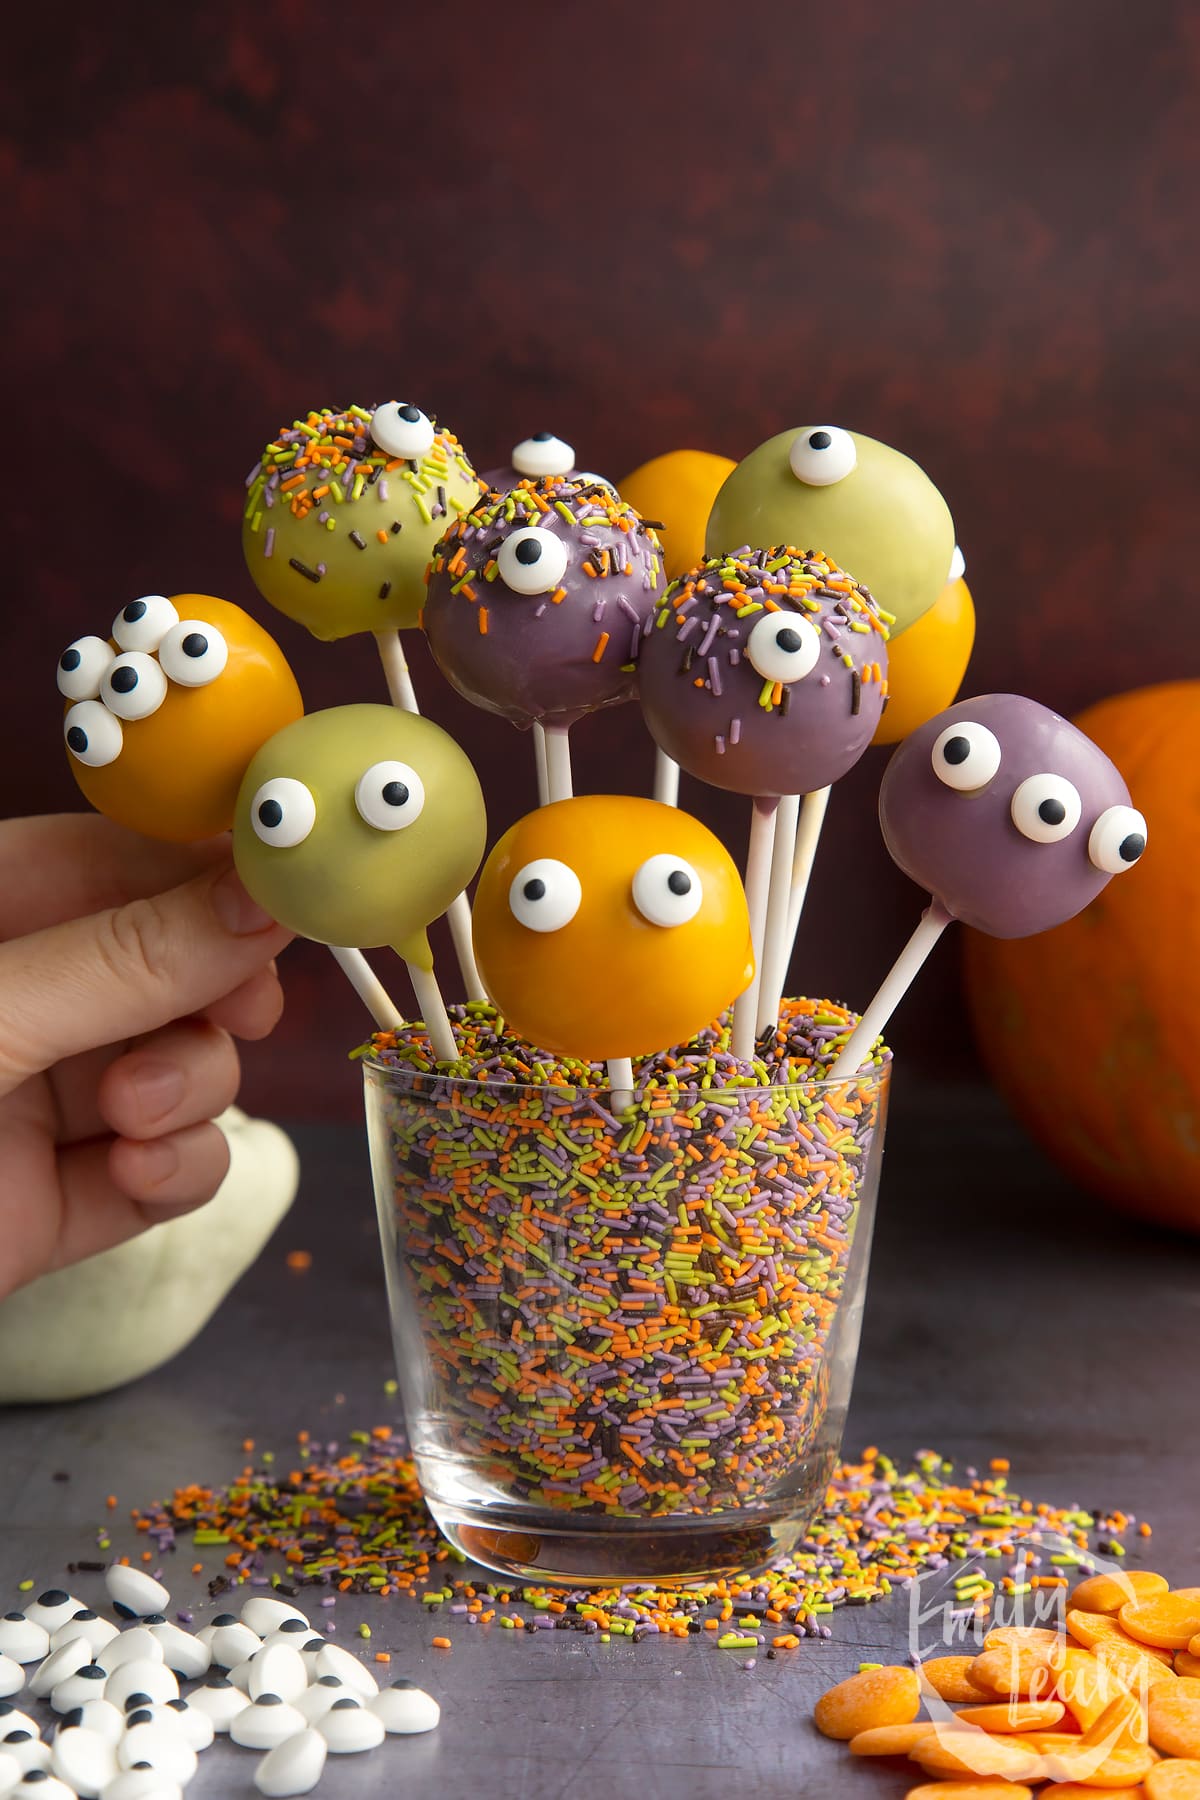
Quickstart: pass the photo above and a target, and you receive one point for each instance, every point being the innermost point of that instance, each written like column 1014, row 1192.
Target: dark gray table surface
column 1007, row 1315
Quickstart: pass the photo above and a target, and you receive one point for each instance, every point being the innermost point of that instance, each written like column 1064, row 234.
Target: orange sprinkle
column 298, row 1260
column 383, row 1655
column 382, row 536
column 441, row 1643
column 601, row 646
column 483, row 621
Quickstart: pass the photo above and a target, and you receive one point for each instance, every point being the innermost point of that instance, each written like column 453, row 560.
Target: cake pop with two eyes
column 359, row 825
column 1010, row 817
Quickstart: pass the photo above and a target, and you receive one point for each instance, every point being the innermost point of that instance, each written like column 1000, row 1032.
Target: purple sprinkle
column 269, row 541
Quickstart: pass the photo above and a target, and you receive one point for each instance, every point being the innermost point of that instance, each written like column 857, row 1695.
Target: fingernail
column 158, row 1086
column 159, row 1160
column 239, row 914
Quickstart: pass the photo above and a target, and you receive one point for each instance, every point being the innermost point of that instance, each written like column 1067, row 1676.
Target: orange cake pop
column 927, row 662
column 608, row 926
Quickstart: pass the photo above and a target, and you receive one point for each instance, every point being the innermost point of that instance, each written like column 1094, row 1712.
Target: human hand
column 126, row 970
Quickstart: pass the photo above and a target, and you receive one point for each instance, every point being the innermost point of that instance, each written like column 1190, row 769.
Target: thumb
column 127, row 970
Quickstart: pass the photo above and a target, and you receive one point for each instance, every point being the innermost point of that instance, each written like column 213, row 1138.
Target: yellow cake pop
column 678, row 490
column 927, row 662
column 610, row 926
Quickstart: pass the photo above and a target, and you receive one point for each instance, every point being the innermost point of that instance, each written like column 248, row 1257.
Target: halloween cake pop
column 163, row 716
column 677, row 491
column 819, row 487
column 535, row 458
column 926, row 663
column 343, row 510
column 609, row 926
column 1010, row 818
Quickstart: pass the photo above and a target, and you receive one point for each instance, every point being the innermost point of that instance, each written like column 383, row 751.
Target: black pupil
column 956, row 750
column 271, row 814
column 124, row 680
column 411, row 413
column 134, row 611
column 679, row 881
column 77, row 739
column 1131, row 847
column 396, row 794
column 1052, row 812
column 789, row 639
column 194, row 644
column 70, row 660
column 529, row 550
column 543, row 437
column 819, row 440
column 535, row 889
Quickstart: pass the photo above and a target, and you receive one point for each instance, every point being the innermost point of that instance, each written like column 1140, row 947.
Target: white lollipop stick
column 620, row 1081
column 433, row 1011
column 368, row 987
column 897, row 982
column 758, row 882
column 539, row 757
column 812, row 817
column 666, row 779
column 403, row 695
column 558, row 763
column 777, row 944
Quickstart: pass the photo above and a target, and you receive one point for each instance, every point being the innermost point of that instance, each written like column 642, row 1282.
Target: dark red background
column 968, row 230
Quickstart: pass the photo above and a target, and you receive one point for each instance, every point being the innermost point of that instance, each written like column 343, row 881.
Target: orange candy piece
column 1174, row 1718
column 1187, row 1662
column 1109, row 1593
column 888, row 1740
column 1013, row 1715
column 950, row 1679
column 1170, row 1621
column 1094, row 1629
column 1075, row 1790
column 967, row 1790
column 955, row 1749
column 1178, row 1779
column 1024, row 1668
column 873, row 1697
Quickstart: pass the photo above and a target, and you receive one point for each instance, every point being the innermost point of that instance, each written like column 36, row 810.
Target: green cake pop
column 850, row 497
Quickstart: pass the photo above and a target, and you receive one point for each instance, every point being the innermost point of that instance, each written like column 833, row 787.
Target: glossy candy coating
column 609, row 982
column 705, row 673
column 551, row 652
column 178, row 770
column 347, row 881
column 963, row 845
column 337, row 532
column 679, row 489
column 926, row 663
column 884, row 521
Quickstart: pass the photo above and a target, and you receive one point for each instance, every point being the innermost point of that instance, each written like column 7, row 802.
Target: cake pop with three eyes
column 164, row 714
column 1013, row 821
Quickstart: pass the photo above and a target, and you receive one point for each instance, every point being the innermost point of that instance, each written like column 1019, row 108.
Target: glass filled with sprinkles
column 626, row 1326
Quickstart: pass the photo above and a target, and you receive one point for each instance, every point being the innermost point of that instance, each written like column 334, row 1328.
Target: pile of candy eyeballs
column 122, row 1728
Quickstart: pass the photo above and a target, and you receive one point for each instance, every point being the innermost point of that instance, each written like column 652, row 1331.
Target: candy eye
column 545, row 895
column 93, row 735
column 134, row 686
column 958, row 566
column 532, row 561
column 401, row 429
column 193, row 653
column 390, row 796
column 783, row 646
column 144, row 623
column 543, row 454
column 283, row 812
column 1117, row 839
column 82, row 667
column 1046, row 808
column 822, row 454
column 667, row 890
column 965, row 756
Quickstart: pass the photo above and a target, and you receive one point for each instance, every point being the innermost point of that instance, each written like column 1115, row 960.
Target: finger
column 65, row 865
column 171, row 1175
column 127, row 971
column 74, row 1085
column 181, row 1075
column 252, row 1010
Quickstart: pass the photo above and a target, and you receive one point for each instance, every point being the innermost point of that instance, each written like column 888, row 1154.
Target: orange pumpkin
column 1092, row 1031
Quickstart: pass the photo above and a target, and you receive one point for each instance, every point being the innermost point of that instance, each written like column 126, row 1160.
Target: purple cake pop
column 765, row 672
column 1008, row 815
column 535, row 458
column 537, row 600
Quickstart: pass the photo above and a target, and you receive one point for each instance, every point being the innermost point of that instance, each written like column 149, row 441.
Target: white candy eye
column 783, row 646
column 1046, row 808
column 93, row 735
column 401, row 429
column 390, row 796
column 822, row 454
column 1117, row 839
column 543, row 454
column 958, row 566
column 82, row 667
column 545, row 895
column 667, row 890
column 965, row 756
column 532, row 561
column 283, row 812
column 192, row 654
column 134, row 686
column 144, row 623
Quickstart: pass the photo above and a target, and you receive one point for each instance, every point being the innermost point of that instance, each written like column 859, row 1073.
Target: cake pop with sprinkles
column 765, row 672
column 163, row 715
column 535, row 458
column 342, row 512
column 820, row 487
column 609, row 925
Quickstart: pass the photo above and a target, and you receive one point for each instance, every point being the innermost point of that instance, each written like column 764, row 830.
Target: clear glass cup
column 625, row 1343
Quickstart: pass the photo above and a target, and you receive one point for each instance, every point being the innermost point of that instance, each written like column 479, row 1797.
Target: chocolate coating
column 965, row 849
column 884, row 521
column 551, row 655
column 710, row 708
